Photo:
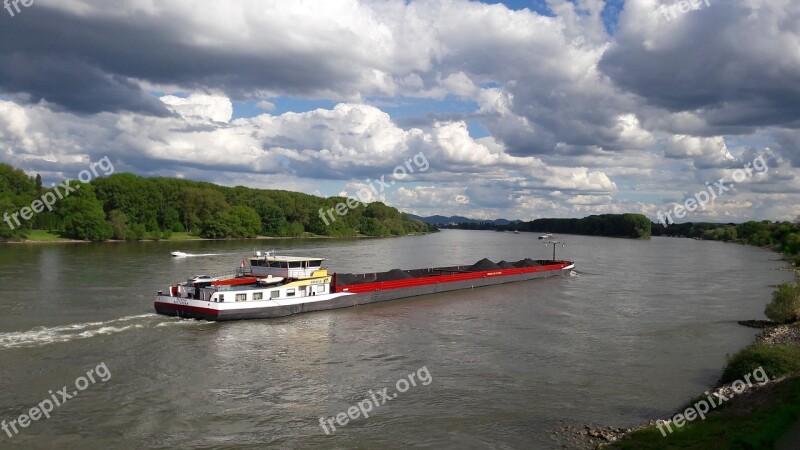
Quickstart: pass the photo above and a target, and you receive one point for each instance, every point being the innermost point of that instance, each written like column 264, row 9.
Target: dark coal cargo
column 485, row 264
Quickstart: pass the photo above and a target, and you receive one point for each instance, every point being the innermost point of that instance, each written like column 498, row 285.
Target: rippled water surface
column 645, row 326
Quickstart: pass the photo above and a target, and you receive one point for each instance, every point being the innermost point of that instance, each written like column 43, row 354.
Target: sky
column 521, row 109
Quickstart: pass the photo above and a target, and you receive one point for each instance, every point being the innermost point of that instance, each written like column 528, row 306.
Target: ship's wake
column 41, row 336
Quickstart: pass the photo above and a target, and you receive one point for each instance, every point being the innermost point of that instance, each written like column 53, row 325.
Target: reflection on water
column 645, row 326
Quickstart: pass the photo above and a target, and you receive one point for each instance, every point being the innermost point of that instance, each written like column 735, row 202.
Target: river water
column 643, row 328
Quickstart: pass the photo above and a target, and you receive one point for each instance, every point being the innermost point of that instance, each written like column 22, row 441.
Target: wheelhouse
column 262, row 265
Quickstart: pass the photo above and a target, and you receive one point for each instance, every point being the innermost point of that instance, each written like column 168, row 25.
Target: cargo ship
column 267, row 285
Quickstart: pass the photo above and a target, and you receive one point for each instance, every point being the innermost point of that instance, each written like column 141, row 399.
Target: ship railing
column 230, row 274
column 240, row 271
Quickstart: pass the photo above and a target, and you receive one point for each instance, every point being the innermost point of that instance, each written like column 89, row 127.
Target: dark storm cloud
column 732, row 65
column 73, row 85
column 787, row 143
column 46, row 55
column 90, row 65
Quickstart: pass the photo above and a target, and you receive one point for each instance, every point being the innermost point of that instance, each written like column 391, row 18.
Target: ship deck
column 398, row 279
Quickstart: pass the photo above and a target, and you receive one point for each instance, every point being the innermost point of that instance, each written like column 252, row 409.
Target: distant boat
column 516, row 232
column 547, row 236
column 179, row 254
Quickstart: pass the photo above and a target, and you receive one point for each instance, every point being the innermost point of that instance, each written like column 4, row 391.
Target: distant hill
column 442, row 220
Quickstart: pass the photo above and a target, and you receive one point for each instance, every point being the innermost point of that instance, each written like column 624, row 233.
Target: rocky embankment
column 589, row 437
column 779, row 335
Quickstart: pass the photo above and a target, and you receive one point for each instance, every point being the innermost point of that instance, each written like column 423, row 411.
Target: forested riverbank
column 611, row 225
column 129, row 207
column 783, row 237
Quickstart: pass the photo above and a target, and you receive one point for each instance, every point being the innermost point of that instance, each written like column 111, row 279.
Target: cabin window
column 221, row 298
column 295, row 265
column 290, row 292
column 258, row 295
column 274, row 294
column 315, row 263
column 241, row 297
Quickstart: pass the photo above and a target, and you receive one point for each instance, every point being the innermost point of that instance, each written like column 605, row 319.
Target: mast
column 555, row 244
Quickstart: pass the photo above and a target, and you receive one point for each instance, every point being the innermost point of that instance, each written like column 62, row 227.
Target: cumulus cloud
column 346, row 142
column 265, row 105
column 706, row 152
column 432, row 197
column 202, row 107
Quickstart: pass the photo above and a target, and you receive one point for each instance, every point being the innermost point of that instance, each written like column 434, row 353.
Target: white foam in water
column 177, row 321
column 64, row 333
column 107, row 330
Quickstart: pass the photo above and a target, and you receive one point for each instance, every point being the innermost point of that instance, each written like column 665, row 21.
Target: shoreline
column 190, row 239
column 773, row 335
column 754, row 399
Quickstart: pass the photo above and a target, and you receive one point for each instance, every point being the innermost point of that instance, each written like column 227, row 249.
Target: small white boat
column 270, row 280
column 179, row 254
column 547, row 236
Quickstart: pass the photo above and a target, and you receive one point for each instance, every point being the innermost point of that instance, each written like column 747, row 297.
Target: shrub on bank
column 785, row 304
column 777, row 361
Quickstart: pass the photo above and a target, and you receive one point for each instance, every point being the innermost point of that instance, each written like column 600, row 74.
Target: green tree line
column 617, row 225
column 130, row 207
column 780, row 236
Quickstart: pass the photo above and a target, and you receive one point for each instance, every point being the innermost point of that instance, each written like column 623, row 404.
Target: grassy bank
column 43, row 236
